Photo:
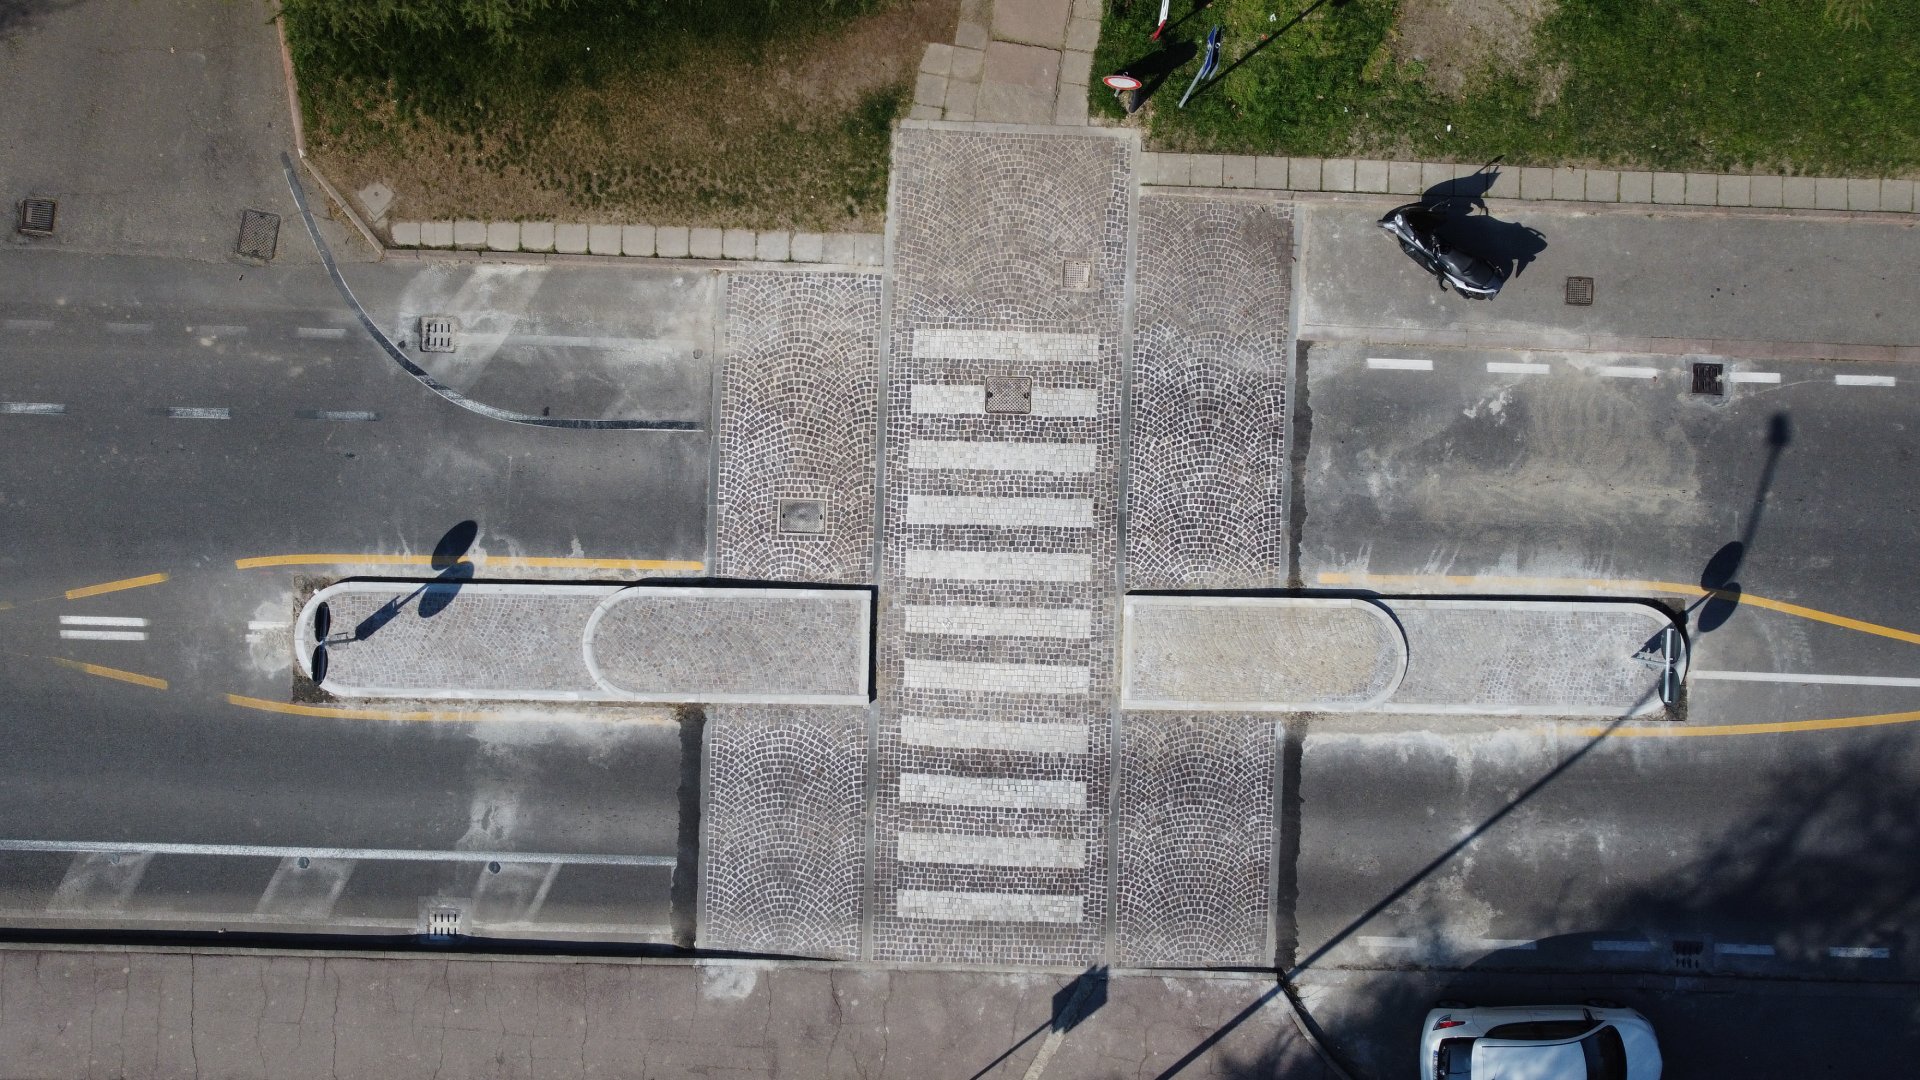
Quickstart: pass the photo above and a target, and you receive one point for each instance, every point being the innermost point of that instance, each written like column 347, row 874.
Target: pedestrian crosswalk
column 102, row 628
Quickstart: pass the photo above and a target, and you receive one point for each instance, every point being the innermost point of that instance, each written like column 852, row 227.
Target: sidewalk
column 85, row 1012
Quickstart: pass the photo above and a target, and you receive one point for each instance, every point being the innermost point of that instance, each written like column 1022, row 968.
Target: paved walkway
column 1012, row 62
column 161, row 1015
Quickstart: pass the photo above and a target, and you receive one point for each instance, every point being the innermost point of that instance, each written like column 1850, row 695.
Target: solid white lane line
column 32, row 408
column 1809, row 680
column 100, row 620
column 1629, row 372
column 374, row 854
column 129, row 328
column 1497, row 367
column 1731, row 948
column 322, row 333
column 1374, row 942
column 104, row 635
column 1858, row 952
column 29, row 324
column 1623, row 946
column 1385, row 363
column 342, row 414
column 198, row 412
column 1863, row 380
column 1753, row 376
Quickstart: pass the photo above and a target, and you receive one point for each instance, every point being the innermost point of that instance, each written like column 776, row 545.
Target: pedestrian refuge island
column 1199, row 653
column 587, row 643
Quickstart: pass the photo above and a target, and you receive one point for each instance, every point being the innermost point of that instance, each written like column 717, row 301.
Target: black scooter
column 1414, row 226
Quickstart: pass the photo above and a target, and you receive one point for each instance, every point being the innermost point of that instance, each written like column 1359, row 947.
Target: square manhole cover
column 803, row 517
column 1580, row 291
column 1709, row 379
column 36, row 217
column 259, row 235
column 1077, row 274
column 1009, row 394
column 437, row 333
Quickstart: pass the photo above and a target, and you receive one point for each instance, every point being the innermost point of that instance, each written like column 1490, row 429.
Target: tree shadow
column 1719, row 576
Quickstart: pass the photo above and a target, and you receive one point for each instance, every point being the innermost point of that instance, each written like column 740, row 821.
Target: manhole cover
column 1009, row 394
column 437, row 333
column 36, row 217
column 1708, row 379
column 803, row 517
column 1077, row 274
column 1580, row 291
column 259, row 235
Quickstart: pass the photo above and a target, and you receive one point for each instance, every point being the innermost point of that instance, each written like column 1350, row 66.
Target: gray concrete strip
column 449, row 639
column 1259, row 654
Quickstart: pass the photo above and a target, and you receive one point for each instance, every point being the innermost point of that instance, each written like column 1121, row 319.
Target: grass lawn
column 1821, row 87
column 732, row 114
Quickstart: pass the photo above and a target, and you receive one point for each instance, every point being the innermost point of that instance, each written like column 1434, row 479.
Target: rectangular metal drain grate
column 443, row 923
column 803, row 517
column 36, row 217
column 1009, row 394
column 437, row 333
column 1689, row 955
column 1708, row 379
column 1580, row 291
column 1077, row 275
column 259, row 235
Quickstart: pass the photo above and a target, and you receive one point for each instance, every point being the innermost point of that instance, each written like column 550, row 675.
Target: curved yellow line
column 115, row 586
column 1669, row 588
column 1677, row 731
column 504, row 562
column 411, row 716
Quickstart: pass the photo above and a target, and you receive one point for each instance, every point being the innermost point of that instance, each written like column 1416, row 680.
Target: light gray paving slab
column 672, row 241
column 938, row 59
column 737, row 244
column 869, row 249
column 1799, row 192
column 1305, row 174
column 436, row 234
column 971, row 35
column 405, row 233
column 1766, row 191
column 808, row 247
column 1735, row 190
column 930, row 89
column 1369, row 176
column 839, row 249
column 1076, row 70
column 1570, row 184
column 1669, row 187
column 1434, row 173
column 963, row 99
column 536, row 236
column 1270, row 172
column 1536, row 183
column 965, row 66
column 1404, row 178
column 1603, row 185
column 772, row 245
column 1210, row 339
column 705, row 243
column 471, row 235
column 570, row 239
column 1338, row 174
column 1896, row 195
column 503, row 236
column 1830, row 193
column 1863, row 194
column 1703, row 189
column 1506, row 184
column 798, row 424
column 1238, row 171
column 1636, row 187
column 1083, row 34
column 1204, row 170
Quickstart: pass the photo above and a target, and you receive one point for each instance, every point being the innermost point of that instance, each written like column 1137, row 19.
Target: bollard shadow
column 434, row 595
column 1720, row 577
column 1072, row 1003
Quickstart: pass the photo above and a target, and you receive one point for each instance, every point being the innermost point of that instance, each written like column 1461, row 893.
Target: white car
column 1529, row 1042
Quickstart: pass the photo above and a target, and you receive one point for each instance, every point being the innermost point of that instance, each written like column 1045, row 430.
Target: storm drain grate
column 443, row 923
column 803, row 517
column 1077, row 275
column 1708, row 378
column 259, row 235
column 36, row 217
column 1009, row 394
column 1580, row 291
column 437, row 333
column 1689, row 955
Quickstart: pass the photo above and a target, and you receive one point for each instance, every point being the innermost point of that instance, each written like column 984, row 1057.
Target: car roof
column 1495, row 1059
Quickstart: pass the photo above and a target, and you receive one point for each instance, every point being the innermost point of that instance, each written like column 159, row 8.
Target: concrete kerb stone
column 1337, row 174
column 706, row 243
column 1239, row 171
column 503, row 236
column 405, row 233
column 1404, row 177
column 672, row 242
column 636, row 240
column 1603, row 185
column 737, row 244
column 1703, row 189
column 1636, row 187
column 536, row 236
column 1370, row 176
column 436, row 234
column 1897, row 196
column 1863, row 195
column 772, row 246
column 808, row 247
column 1798, row 192
column 603, row 240
column 1829, row 193
column 1765, row 190
column 570, row 239
column 470, row 235
column 839, row 248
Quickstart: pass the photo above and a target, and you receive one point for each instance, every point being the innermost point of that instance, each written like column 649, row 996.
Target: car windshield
column 1454, row 1061
column 1606, row 1055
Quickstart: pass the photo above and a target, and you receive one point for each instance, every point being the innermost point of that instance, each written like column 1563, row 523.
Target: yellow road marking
column 115, row 586
column 1671, row 588
column 133, row 677
column 504, row 562
column 1637, row 731
column 414, row 716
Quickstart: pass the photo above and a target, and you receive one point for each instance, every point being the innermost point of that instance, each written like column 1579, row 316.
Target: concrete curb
column 300, row 143
column 625, row 243
column 1531, row 184
column 535, row 258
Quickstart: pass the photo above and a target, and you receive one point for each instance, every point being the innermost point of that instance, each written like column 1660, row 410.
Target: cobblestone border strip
column 1531, row 184
column 768, row 247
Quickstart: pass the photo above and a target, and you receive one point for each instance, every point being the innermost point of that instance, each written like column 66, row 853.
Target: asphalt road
column 294, row 437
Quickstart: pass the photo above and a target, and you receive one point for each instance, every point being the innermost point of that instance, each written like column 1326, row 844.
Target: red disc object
column 1121, row 82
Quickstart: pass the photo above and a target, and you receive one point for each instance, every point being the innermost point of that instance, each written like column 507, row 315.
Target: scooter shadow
column 1508, row 245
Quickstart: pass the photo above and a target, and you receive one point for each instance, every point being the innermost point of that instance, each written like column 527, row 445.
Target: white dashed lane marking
column 197, row 412
column 1753, row 376
column 337, row 414
column 1863, row 380
column 29, row 324
column 1499, row 367
column 101, row 628
column 1384, row 363
column 218, row 330
column 31, row 408
column 1629, row 373
column 1858, row 952
column 320, row 333
column 1732, row 948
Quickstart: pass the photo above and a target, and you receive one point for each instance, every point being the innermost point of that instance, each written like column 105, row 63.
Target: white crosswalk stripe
column 102, row 628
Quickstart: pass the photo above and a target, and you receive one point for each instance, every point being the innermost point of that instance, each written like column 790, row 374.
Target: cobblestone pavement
column 995, row 661
column 782, row 859
column 798, row 418
column 1208, row 451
